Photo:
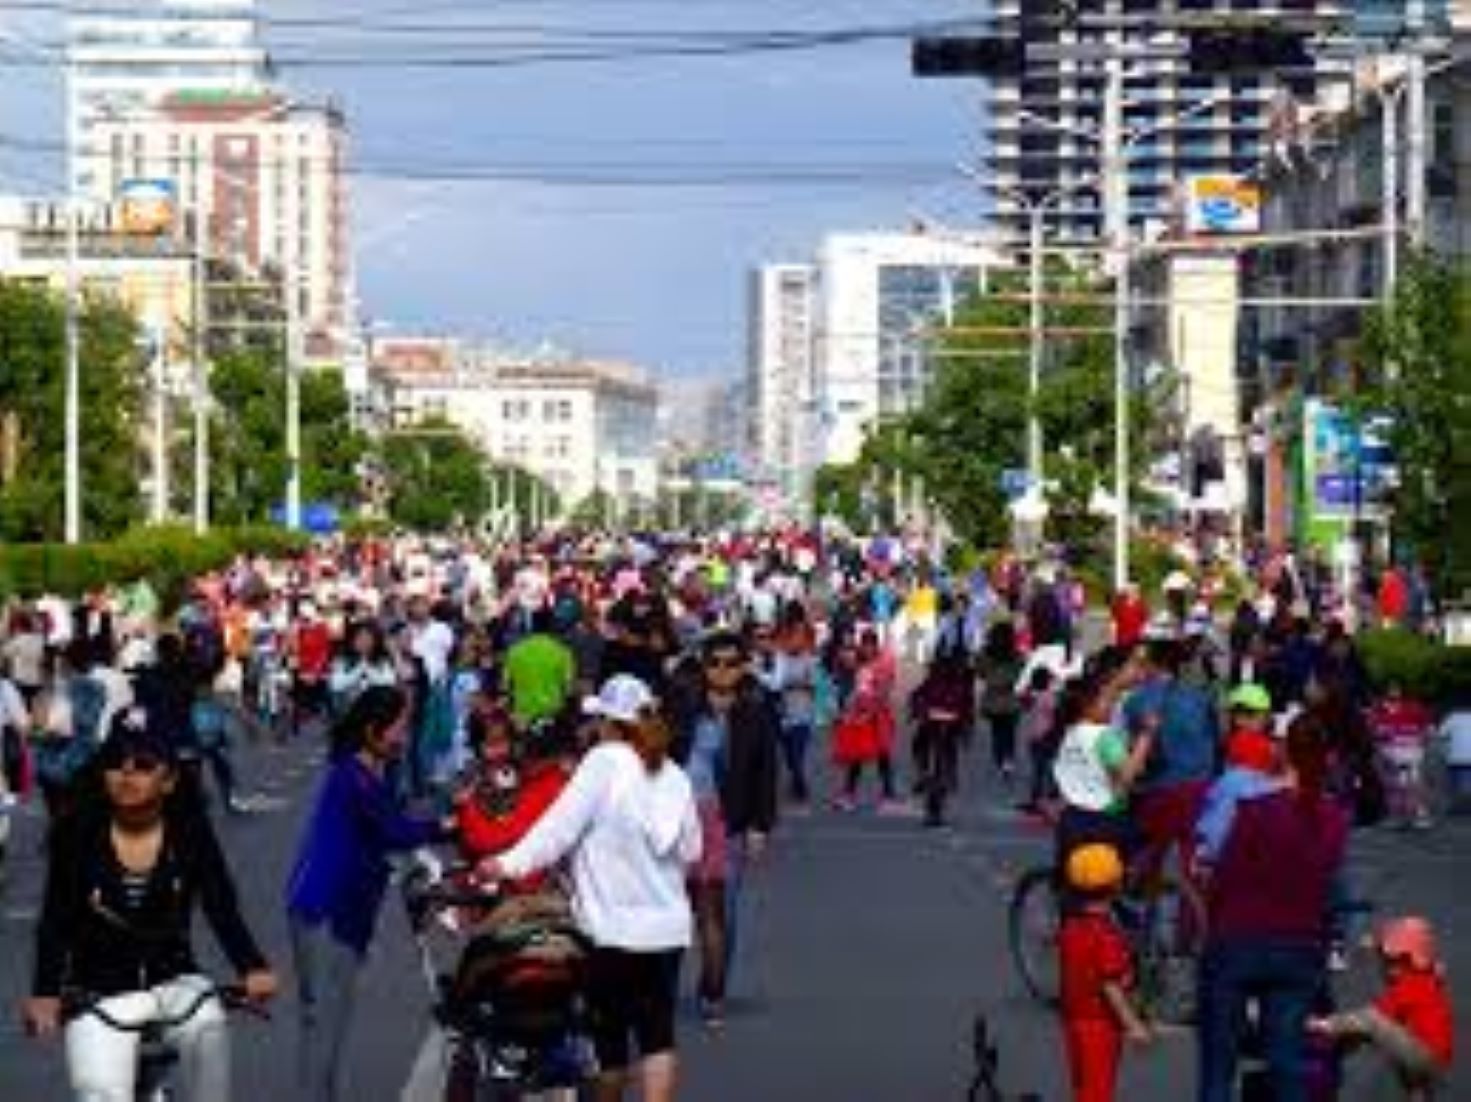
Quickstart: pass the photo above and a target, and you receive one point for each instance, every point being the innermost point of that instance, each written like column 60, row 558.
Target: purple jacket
column 1272, row 879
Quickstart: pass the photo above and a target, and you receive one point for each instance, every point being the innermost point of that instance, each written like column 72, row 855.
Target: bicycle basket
column 524, row 964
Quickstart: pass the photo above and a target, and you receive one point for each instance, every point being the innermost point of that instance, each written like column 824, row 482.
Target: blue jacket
column 342, row 871
column 1218, row 815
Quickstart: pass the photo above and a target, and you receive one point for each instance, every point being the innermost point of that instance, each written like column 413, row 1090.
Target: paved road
column 870, row 946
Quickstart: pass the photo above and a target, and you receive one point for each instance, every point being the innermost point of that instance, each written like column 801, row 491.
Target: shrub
column 168, row 556
column 1426, row 668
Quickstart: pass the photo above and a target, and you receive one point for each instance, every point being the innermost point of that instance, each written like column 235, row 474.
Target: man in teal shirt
column 539, row 672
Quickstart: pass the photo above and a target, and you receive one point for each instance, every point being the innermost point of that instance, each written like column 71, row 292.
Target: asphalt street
column 868, row 947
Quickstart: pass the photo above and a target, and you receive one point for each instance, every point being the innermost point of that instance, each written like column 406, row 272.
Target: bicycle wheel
column 1033, row 921
column 1168, row 940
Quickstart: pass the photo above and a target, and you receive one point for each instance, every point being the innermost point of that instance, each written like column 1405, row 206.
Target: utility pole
column 73, row 415
column 1389, row 117
column 1034, row 374
column 198, row 350
column 1116, row 219
column 293, row 403
column 158, row 341
column 1415, row 160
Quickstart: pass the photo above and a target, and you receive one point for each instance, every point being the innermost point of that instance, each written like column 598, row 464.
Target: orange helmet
column 1410, row 939
column 1095, row 868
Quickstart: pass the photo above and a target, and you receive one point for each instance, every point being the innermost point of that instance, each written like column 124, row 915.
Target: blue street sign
column 1015, row 482
column 320, row 518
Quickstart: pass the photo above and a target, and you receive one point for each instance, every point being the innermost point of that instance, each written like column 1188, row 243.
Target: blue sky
column 652, row 274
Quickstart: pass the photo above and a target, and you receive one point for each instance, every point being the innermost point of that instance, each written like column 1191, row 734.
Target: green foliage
column 1423, row 667
column 436, row 477
column 32, row 414
column 973, row 423
column 1419, row 358
column 169, row 557
column 248, row 437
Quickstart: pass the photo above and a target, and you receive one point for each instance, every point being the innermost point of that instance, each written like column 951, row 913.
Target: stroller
column 511, row 1007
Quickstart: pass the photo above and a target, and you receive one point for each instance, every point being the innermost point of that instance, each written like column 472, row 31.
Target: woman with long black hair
column 341, row 875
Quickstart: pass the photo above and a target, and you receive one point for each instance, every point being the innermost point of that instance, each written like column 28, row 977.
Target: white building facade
column 580, row 426
column 125, row 64
column 880, row 296
column 782, row 345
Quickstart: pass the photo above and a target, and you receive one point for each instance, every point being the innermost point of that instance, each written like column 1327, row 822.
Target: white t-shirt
column 1456, row 731
column 27, row 656
column 631, row 836
column 432, row 643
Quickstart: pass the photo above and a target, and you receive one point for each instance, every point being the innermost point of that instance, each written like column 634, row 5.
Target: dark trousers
column 1003, row 739
column 1284, row 980
column 795, row 738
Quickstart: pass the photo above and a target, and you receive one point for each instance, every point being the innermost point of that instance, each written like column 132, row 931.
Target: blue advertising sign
column 1349, row 465
column 320, row 518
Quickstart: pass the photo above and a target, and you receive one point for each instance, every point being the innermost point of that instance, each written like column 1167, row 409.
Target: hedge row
column 1425, row 668
column 168, row 556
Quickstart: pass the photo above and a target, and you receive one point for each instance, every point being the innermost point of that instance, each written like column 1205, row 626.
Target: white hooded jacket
column 631, row 835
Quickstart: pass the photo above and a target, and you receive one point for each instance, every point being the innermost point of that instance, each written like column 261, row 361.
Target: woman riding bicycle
column 123, row 881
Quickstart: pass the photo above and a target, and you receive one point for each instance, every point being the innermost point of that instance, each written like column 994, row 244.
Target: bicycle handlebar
column 232, row 996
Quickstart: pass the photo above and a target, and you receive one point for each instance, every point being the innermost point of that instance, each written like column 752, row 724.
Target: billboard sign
column 1222, row 205
column 1349, row 466
column 148, row 207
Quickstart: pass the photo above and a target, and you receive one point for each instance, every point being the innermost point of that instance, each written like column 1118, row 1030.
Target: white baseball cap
column 621, row 698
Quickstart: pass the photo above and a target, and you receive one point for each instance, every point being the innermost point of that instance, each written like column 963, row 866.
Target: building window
column 516, row 410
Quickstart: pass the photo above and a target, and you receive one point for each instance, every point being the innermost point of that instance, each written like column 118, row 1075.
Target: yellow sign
column 147, row 207
column 1222, row 204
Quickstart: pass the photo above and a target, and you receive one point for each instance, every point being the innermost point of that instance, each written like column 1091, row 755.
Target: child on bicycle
column 1411, row 1022
column 1096, row 969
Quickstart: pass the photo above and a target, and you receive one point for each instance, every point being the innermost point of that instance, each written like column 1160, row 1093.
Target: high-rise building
column 125, row 63
column 264, row 179
column 1044, row 127
column 878, row 297
column 179, row 91
column 782, row 315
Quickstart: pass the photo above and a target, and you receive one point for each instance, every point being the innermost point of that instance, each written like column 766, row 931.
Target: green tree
column 248, row 437
column 32, row 414
column 1418, row 360
column 437, row 478
column 972, row 424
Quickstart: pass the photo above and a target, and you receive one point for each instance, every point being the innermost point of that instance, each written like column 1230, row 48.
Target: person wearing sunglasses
column 729, row 731
column 125, row 875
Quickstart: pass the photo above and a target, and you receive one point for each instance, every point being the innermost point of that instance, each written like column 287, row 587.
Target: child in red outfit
column 1097, row 971
column 1411, row 1022
column 505, row 795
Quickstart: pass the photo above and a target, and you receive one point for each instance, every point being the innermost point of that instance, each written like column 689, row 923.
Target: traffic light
column 968, row 57
column 1251, row 51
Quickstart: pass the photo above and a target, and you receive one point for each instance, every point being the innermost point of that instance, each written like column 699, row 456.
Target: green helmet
column 1250, row 697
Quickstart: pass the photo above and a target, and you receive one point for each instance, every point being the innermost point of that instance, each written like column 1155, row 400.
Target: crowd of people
column 622, row 720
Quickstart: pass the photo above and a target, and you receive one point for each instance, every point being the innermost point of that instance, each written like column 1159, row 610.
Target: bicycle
column 158, row 1055
column 1163, row 919
column 985, row 1086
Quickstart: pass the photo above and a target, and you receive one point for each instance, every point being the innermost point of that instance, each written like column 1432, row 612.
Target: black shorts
column 630, row 1000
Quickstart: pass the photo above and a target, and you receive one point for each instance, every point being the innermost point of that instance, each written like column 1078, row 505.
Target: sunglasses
column 724, row 662
column 136, row 763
